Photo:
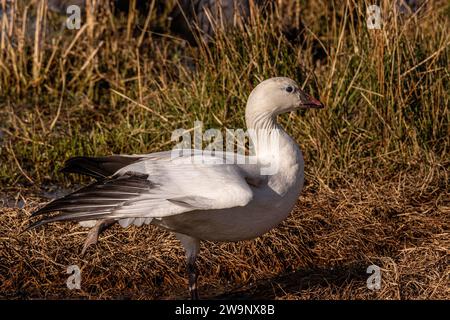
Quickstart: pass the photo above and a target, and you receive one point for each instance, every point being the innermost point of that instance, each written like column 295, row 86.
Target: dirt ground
column 321, row 252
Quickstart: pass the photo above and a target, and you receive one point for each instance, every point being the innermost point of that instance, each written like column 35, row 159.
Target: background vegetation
column 377, row 157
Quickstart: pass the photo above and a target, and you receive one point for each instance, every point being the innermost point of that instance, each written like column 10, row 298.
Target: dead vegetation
column 321, row 252
column 377, row 158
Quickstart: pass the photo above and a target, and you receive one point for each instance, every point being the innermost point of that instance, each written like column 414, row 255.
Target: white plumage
column 201, row 196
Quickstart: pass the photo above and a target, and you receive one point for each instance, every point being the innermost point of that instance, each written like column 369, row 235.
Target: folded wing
column 150, row 188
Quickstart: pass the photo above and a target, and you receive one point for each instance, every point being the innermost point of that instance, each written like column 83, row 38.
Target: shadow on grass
column 299, row 280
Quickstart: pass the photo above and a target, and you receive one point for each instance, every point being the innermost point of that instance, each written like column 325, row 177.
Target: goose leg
column 192, row 247
column 92, row 236
column 192, row 274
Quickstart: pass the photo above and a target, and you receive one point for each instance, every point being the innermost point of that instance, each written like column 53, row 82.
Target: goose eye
column 289, row 89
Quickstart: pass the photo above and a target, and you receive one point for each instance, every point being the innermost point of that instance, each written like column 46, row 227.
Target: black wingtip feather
column 34, row 225
column 98, row 167
column 95, row 201
column 44, row 209
column 84, row 166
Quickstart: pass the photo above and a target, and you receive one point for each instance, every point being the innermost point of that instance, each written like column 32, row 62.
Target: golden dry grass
column 377, row 158
column 320, row 252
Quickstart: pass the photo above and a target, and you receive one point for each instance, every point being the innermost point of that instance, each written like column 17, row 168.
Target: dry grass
column 321, row 252
column 377, row 157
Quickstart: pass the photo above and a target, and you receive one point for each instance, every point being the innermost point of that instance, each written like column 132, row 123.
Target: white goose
column 198, row 200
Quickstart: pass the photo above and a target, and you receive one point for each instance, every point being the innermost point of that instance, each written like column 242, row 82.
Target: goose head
column 275, row 96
